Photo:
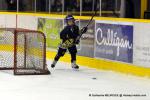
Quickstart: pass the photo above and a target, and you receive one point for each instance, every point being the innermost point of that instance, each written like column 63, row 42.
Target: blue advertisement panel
column 114, row 41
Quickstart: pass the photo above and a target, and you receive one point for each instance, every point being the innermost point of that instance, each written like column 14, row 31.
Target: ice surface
column 67, row 84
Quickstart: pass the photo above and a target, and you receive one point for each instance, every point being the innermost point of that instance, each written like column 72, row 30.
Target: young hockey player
column 69, row 37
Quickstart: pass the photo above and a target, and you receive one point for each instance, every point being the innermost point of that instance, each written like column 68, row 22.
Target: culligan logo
column 112, row 40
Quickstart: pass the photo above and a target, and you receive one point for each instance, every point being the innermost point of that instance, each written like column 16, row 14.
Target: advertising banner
column 52, row 28
column 114, row 41
column 142, row 45
column 87, row 40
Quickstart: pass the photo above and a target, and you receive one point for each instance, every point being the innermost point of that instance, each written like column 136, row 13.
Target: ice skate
column 74, row 65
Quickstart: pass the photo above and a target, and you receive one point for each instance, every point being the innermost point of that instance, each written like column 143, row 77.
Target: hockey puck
column 94, row 78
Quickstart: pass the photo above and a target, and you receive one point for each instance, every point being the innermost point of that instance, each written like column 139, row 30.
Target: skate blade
column 75, row 69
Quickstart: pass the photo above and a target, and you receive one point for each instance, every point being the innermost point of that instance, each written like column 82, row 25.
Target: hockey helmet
column 69, row 17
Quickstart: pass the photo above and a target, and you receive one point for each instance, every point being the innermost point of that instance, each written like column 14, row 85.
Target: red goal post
column 23, row 51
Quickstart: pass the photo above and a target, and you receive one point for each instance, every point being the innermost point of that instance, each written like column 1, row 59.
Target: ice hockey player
column 69, row 40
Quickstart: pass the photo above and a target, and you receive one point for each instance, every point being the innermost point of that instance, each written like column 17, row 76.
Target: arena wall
column 113, row 44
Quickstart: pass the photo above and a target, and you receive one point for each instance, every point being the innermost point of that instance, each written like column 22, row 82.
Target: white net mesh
column 23, row 50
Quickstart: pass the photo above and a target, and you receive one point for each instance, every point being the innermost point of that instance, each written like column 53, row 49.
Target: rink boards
column 116, row 44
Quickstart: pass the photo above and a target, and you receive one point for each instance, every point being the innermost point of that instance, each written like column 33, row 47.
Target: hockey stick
column 92, row 17
column 95, row 12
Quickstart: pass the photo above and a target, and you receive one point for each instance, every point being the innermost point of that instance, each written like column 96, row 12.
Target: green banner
column 51, row 28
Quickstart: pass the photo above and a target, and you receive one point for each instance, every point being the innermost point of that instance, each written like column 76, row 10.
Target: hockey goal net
column 23, row 51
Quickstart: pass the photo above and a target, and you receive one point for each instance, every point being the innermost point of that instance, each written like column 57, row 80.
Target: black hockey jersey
column 69, row 32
